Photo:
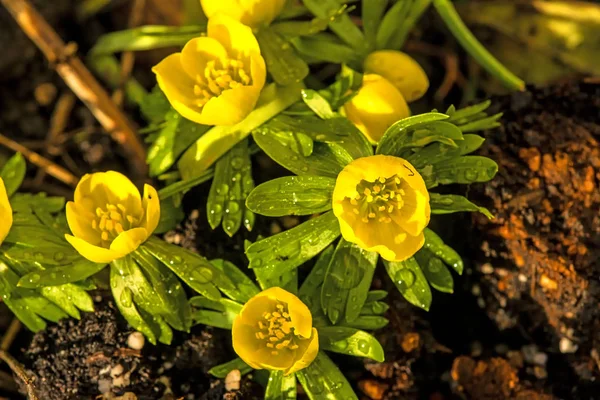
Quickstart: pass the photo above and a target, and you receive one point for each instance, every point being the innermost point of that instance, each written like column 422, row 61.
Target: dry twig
column 48, row 166
column 18, row 370
column 79, row 79
column 11, row 334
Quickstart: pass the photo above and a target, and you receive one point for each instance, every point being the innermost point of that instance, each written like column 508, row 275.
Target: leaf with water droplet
column 374, row 308
column 398, row 137
column 80, row 270
column 313, row 282
column 345, row 340
column 451, row 203
column 410, row 281
column 244, row 289
column 285, row 65
column 367, row 322
column 464, row 169
column 347, row 281
column 441, row 250
column 13, row 173
column 292, row 195
column 322, row 379
column 280, row 387
column 435, row 271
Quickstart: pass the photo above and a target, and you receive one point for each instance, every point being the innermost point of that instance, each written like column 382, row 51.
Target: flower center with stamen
column 219, row 75
column 111, row 221
column 376, row 201
column 276, row 330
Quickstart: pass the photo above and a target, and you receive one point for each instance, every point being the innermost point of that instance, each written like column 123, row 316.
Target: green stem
column 458, row 28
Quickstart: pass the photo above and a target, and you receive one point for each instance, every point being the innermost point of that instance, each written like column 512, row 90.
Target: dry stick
column 58, row 123
column 51, row 168
column 128, row 57
column 80, row 80
column 10, row 335
column 18, row 370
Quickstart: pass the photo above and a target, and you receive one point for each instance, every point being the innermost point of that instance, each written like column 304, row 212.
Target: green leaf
column 292, row 29
column 70, row 298
column 376, row 295
column 284, row 65
column 13, row 173
column 397, row 136
column 244, row 289
column 60, row 275
column 438, row 152
column 347, row 281
column 280, row 387
column 465, row 169
column 221, row 370
column 473, row 118
column 437, row 246
column 194, row 270
column 173, row 139
column 451, row 203
column 170, row 215
column 288, row 250
column 292, row 195
column 392, row 22
column 350, row 341
column 123, row 297
column 324, row 47
column 219, row 139
column 367, row 322
column 146, row 38
column 317, row 103
column 374, row 308
column 155, row 106
column 185, row 185
column 435, row 271
column 372, row 13
column 410, row 281
column 323, row 380
column 170, row 300
column 218, row 319
column 309, row 292
column 231, row 185
column 327, row 159
column 339, row 22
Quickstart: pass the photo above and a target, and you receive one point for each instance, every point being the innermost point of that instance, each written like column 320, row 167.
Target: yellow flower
column 217, row 78
column 108, row 218
column 382, row 205
column 401, row 70
column 376, row 106
column 6, row 214
column 254, row 13
column 274, row 331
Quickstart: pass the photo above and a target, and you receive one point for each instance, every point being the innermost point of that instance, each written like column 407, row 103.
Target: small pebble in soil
column 567, row 346
column 136, row 341
column 232, row 380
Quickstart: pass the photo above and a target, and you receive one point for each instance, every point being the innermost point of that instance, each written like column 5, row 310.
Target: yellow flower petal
column 79, row 219
column 245, row 342
column 382, row 205
column 280, row 361
column 6, row 213
column 129, row 240
column 93, row 253
column 151, row 207
column 401, row 70
column 376, row 107
column 308, row 354
column 254, row 13
column 237, row 38
column 197, row 52
column 231, row 107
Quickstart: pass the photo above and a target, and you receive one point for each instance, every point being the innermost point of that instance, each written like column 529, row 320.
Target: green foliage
column 12, row 173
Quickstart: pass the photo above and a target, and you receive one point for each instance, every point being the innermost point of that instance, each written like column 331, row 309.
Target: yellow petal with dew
column 308, row 356
column 93, row 253
column 6, row 213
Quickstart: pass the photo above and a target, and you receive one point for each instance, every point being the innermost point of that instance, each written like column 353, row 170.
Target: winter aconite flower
column 376, row 106
column 6, row 214
column 254, row 13
column 217, row 78
column 274, row 331
column 108, row 218
column 382, row 205
column 401, row 70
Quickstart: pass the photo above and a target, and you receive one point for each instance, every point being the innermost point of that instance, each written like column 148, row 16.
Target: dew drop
column 405, row 278
column 223, row 189
column 176, row 259
column 59, row 256
column 470, row 175
column 237, row 162
column 340, row 345
column 114, row 283
column 255, row 263
column 33, row 278
column 378, row 307
column 363, row 346
column 233, row 207
column 294, row 158
column 38, row 256
column 126, row 297
column 201, row 274
column 435, row 265
column 53, row 276
column 334, row 315
column 217, row 208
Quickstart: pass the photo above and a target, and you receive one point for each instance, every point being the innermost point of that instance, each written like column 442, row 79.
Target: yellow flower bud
column 401, row 70
column 274, row 331
column 382, row 205
column 6, row 214
column 254, row 13
column 108, row 218
column 376, row 106
column 217, row 78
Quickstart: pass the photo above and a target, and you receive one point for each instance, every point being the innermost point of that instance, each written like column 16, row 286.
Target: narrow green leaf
column 53, row 276
column 184, row 185
column 374, row 308
column 418, row 7
column 292, row 195
column 292, row 29
column 350, row 341
column 367, row 322
column 482, row 124
column 27, row 202
column 464, row 169
column 146, row 38
column 317, row 103
column 231, row 185
column 288, row 250
column 438, row 152
column 280, row 387
column 339, row 22
column 376, row 295
column 170, row 215
column 397, row 135
column 323, row 380
column 451, row 203
column 284, row 65
column 309, row 293
column 391, row 22
column 218, row 319
column 410, row 281
column 123, row 297
column 69, row 298
column 323, row 47
column 194, row 270
column 244, row 289
column 372, row 13
column 155, row 106
column 437, row 246
column 13, row 173
column 435, row 271
column 347, row 281
column 221, row 370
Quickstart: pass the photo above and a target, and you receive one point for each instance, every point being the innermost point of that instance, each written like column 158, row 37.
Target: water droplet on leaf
column 405, row 278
